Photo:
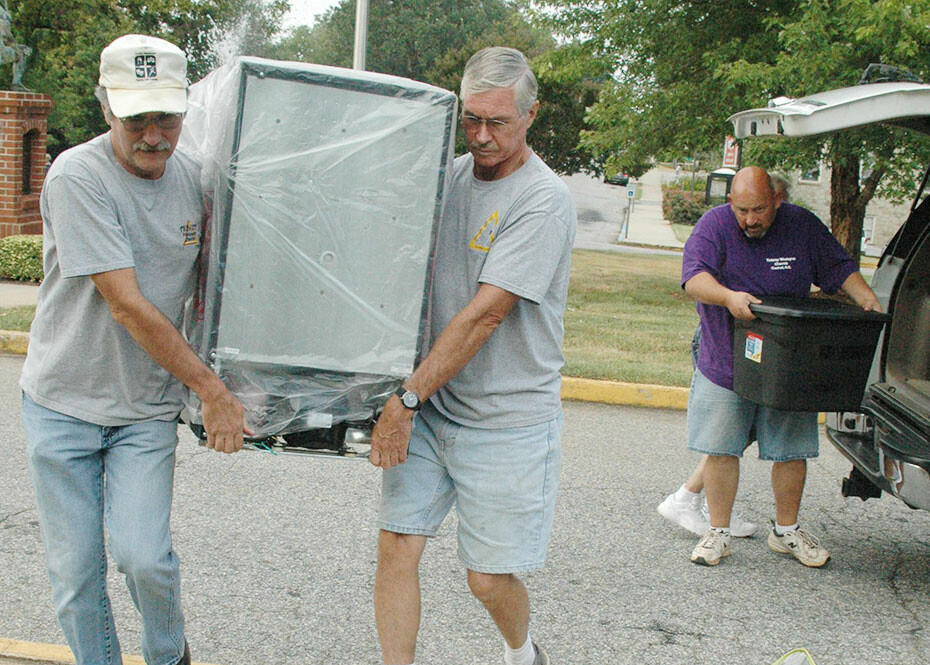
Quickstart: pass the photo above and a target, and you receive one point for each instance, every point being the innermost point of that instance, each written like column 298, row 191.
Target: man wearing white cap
column 102, row 381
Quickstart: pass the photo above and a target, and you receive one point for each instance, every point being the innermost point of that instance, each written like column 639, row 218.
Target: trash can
column 805, row 354
column 718, row 186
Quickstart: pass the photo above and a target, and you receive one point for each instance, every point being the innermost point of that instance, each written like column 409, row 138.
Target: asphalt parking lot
column 278, row 561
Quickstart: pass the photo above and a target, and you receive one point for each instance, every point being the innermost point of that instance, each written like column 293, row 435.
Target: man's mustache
column 147, row 147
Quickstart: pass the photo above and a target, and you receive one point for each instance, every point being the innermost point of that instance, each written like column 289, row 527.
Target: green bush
column 21, row 258
column 688, row 210
column 699, row 185
column 682, row 207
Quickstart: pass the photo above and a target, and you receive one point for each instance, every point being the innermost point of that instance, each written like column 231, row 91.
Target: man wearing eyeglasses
column 102, row 381
column 487, row 438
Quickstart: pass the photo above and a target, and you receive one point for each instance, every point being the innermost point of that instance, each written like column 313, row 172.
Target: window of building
column 810, row 175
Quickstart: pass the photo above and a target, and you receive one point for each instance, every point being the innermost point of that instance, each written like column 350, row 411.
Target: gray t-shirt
column 97, row 218
column 515, row 233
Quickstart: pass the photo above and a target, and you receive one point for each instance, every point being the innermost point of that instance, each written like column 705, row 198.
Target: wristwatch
column 408, row 398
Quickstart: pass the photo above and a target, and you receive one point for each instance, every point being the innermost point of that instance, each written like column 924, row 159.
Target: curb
column 586, row 390
column 16, row 652
column 649, row 245
column 627, row 394
column 14, row 342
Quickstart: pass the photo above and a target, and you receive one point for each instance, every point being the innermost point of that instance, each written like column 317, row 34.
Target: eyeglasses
column 137, row 123
column 473, row 122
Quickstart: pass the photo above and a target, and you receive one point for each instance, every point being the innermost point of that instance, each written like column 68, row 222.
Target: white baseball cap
column 144, row 75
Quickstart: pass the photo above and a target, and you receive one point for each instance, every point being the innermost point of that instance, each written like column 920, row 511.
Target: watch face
column 410, row 399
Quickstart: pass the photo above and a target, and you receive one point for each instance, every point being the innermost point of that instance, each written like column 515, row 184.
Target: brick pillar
column 23, row 124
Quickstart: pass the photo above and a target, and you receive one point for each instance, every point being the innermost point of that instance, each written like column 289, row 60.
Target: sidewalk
column 647, row 227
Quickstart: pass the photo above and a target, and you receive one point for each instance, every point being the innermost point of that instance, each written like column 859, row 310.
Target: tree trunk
column 847, row 204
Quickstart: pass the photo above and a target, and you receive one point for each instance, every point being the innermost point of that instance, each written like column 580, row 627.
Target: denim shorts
column 719, row 422
column 503, row 483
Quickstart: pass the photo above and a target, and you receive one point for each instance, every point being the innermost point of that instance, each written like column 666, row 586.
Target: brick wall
column 23, row 124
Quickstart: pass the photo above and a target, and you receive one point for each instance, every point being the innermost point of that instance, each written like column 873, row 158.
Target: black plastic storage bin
column 805, row 354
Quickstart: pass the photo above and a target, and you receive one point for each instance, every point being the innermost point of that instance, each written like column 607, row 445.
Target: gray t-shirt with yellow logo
column 98, row 217
column 515, row 233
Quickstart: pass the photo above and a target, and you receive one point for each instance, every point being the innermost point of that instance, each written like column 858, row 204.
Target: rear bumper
column 886, row 456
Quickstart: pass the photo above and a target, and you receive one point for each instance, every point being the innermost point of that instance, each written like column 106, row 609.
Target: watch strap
column 401, row 392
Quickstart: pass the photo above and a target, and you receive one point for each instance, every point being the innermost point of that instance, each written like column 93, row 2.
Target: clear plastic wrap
column 327, row 187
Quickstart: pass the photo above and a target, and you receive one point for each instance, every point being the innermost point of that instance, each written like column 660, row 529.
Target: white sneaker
column 739, row 528
column 693, row 516
column 800, row 544
column 713, row 546
column 690, row 514
column 542, row 658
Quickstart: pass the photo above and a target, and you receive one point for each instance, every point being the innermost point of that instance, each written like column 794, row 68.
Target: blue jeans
column 84, row 474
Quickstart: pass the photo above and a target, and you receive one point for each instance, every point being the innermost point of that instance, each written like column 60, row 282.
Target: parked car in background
column 617, row 178
column 888, row 439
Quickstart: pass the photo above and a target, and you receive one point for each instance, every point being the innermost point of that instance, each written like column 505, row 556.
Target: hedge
column 682, row 207
column 21, row 258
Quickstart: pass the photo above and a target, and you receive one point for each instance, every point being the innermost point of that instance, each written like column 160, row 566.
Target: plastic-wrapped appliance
column 327, row 188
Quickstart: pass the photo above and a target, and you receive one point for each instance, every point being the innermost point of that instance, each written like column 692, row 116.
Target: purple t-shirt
column 797, row 251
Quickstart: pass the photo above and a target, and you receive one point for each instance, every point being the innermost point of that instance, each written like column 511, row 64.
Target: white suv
column 888, row 441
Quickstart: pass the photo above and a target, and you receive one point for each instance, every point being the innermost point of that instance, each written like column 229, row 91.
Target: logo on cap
column 145, row 66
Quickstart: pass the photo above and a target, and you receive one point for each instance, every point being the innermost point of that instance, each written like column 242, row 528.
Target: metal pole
column 693, row 167
column 361, row 34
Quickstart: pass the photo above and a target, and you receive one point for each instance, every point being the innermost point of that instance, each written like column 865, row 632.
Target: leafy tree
column 662, row 52
column 405, row 37
column 67, row 38
column 829, row 43
column 682, row 67
column 431, row 40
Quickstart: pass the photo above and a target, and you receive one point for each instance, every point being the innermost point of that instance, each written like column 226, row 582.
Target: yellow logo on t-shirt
column 485, row 236
column 189, row 232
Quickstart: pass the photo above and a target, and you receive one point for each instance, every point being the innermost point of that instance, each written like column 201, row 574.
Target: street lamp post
column 361, row 34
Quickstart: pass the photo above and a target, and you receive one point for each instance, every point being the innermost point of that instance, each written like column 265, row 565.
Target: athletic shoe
column 542, row 658
column 693, row 516
column 687, row 514
column 740, row 528
column 801, row 545
column 713, row 546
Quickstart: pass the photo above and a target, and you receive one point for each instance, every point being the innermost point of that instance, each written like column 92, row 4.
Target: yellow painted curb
column 13, row 342
column 51, row 654
column 585, row 390
column 631, row 394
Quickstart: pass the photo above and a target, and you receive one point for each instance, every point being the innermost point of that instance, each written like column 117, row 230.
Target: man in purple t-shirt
column 753, row 247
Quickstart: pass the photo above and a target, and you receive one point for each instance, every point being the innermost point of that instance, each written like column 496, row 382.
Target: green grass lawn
column 16, row 318
column 627, row 319
column 682, row 231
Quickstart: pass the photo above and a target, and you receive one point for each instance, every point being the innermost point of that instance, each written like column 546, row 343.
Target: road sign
column 630, row 193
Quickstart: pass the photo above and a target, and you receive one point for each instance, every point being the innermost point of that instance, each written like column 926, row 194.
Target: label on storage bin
column 754, row 347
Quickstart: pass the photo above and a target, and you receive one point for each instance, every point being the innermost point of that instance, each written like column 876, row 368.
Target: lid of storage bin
column 814, row 308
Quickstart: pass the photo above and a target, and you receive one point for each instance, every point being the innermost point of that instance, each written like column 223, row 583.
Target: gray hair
column 500, row 67
column 780, row 185
column 101, row 94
